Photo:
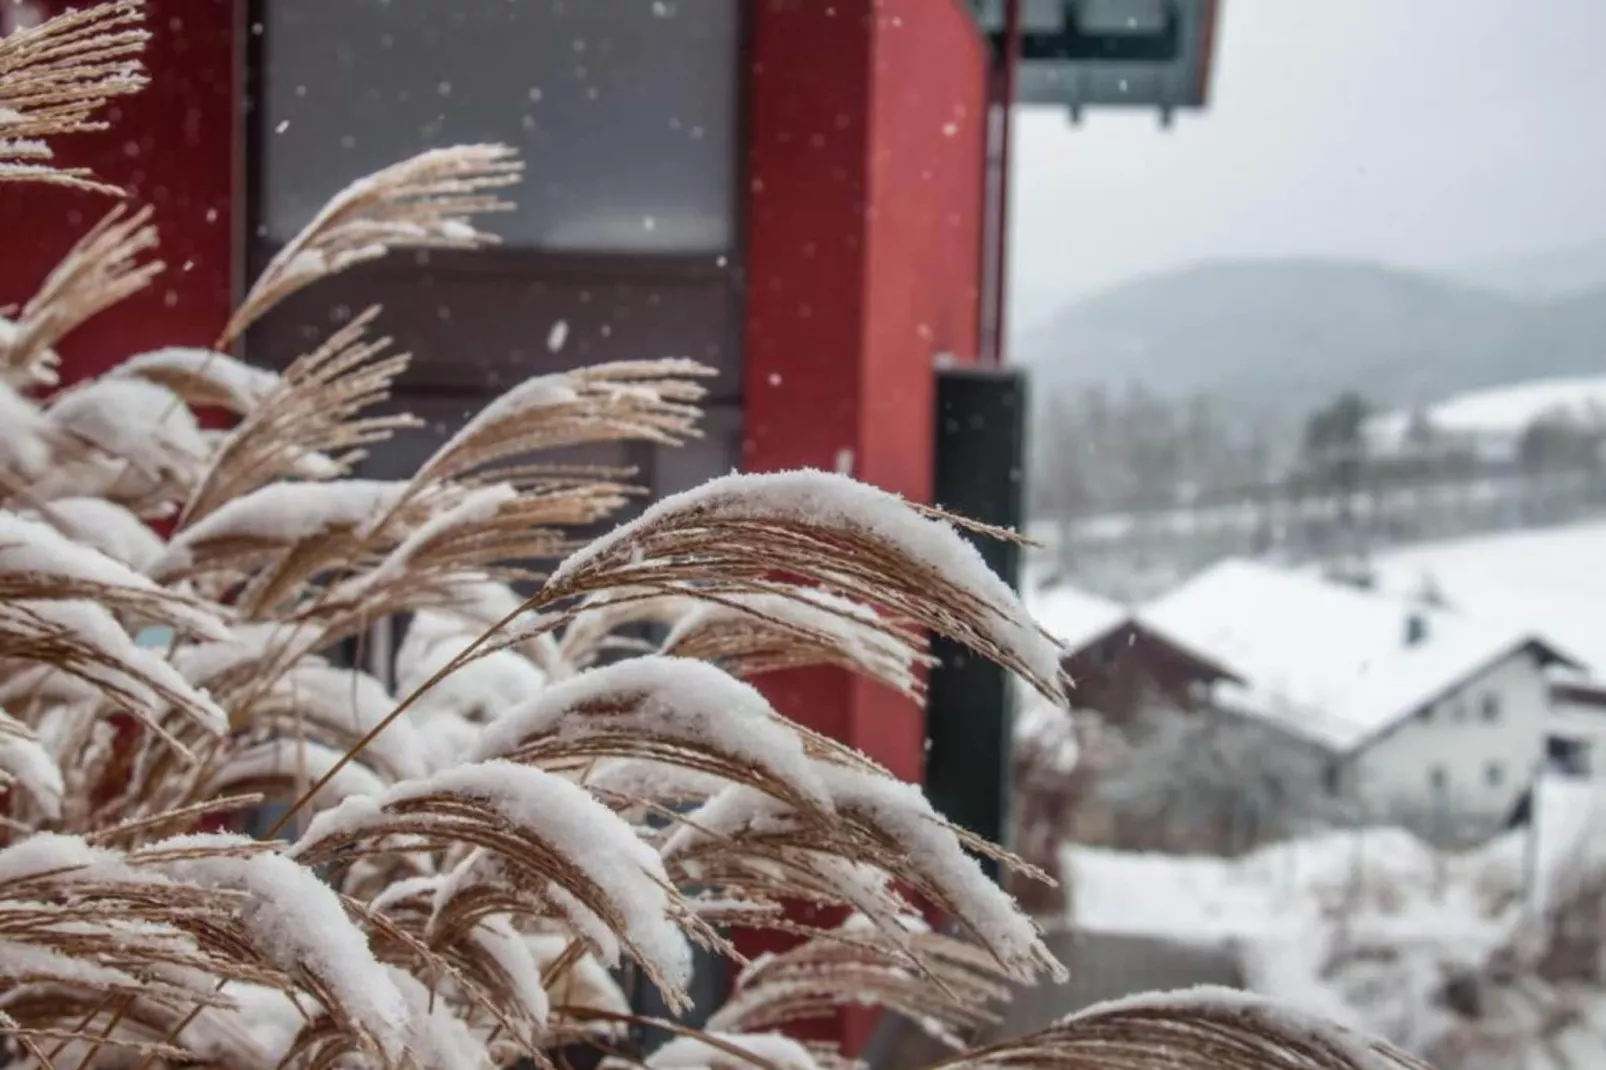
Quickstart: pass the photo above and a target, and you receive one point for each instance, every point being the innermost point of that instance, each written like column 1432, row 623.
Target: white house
column 1577, row 744
column 1547, row 580
column 1422, row 717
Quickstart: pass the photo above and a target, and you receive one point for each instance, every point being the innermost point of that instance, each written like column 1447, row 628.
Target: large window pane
column 483, row 323
column 590, row 91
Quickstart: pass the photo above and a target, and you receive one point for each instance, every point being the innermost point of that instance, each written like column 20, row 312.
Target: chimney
column 1416, row 628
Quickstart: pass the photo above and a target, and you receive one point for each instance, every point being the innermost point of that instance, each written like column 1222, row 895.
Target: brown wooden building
column 1117, row 660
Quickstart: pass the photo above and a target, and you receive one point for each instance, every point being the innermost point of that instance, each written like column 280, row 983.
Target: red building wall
column 866, row 128
column 922, row 272
column 865, row 163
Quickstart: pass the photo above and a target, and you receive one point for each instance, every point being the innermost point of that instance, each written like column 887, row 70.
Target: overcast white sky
column 1421, row 132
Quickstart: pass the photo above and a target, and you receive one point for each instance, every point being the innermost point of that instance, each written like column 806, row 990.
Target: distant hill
column 1579, row 319
column 1548, row 276
column 1283, row 336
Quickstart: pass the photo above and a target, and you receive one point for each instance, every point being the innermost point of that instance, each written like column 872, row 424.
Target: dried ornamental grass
column 1200, row 1027
column 102, row 269
column 857, row 964
column 423, row 202
column 55, row 76
column 468, row 853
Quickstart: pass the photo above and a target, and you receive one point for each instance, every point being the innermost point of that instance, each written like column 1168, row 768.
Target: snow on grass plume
column 504, row 945
column 585, row 984
column 109, row 528
column 141, row 677
column 931, row 853
column 588, row 837
column 1213, row 1008
column 711, row 1052
column 824, row 504
column 296, row 922
column 474, row 507
column 249, row 643
column 22, row 965
column 25, row 763
column 292, row 760
column 286, row 513
column 479, row 690
column 139, row 422
column 353, row 701
column 675, row 701
column 34, row 551
column 436, row 1037
column 854, row 632
column 23, row 430
column 56, row 856
column 642, row 779
column 203, row 376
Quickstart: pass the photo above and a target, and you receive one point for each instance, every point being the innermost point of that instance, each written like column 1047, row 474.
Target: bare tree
column 1204, row 780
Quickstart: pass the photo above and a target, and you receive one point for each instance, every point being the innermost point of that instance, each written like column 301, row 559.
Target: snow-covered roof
column 1078, row 619
column 1548, row 581
column 1500, row 411
column 1320, row 659
column 1073, row 616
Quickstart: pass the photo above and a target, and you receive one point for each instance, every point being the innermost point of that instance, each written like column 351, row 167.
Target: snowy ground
column 1363, row 927
column 1279, row 890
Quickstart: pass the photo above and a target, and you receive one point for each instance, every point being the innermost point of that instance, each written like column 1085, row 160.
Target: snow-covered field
column 1499, row 415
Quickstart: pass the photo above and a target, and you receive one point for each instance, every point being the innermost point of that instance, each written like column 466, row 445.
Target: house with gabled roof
column 1117, row 663
column 1421, row 716
column 1577, row 744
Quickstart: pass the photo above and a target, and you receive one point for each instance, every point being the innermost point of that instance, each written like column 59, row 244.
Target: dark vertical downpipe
column 1005, row 71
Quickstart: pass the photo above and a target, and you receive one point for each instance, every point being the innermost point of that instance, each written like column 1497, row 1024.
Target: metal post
column 1004, row 81
column 1531, row 862
column 979, row 461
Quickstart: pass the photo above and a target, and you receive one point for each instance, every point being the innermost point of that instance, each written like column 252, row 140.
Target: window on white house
column 1491, row 707
column 1439, row 777
column 1493, row 774
column 1330, row 778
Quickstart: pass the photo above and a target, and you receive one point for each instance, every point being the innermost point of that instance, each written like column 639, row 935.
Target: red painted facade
column 865, row 158
column 866, row 126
